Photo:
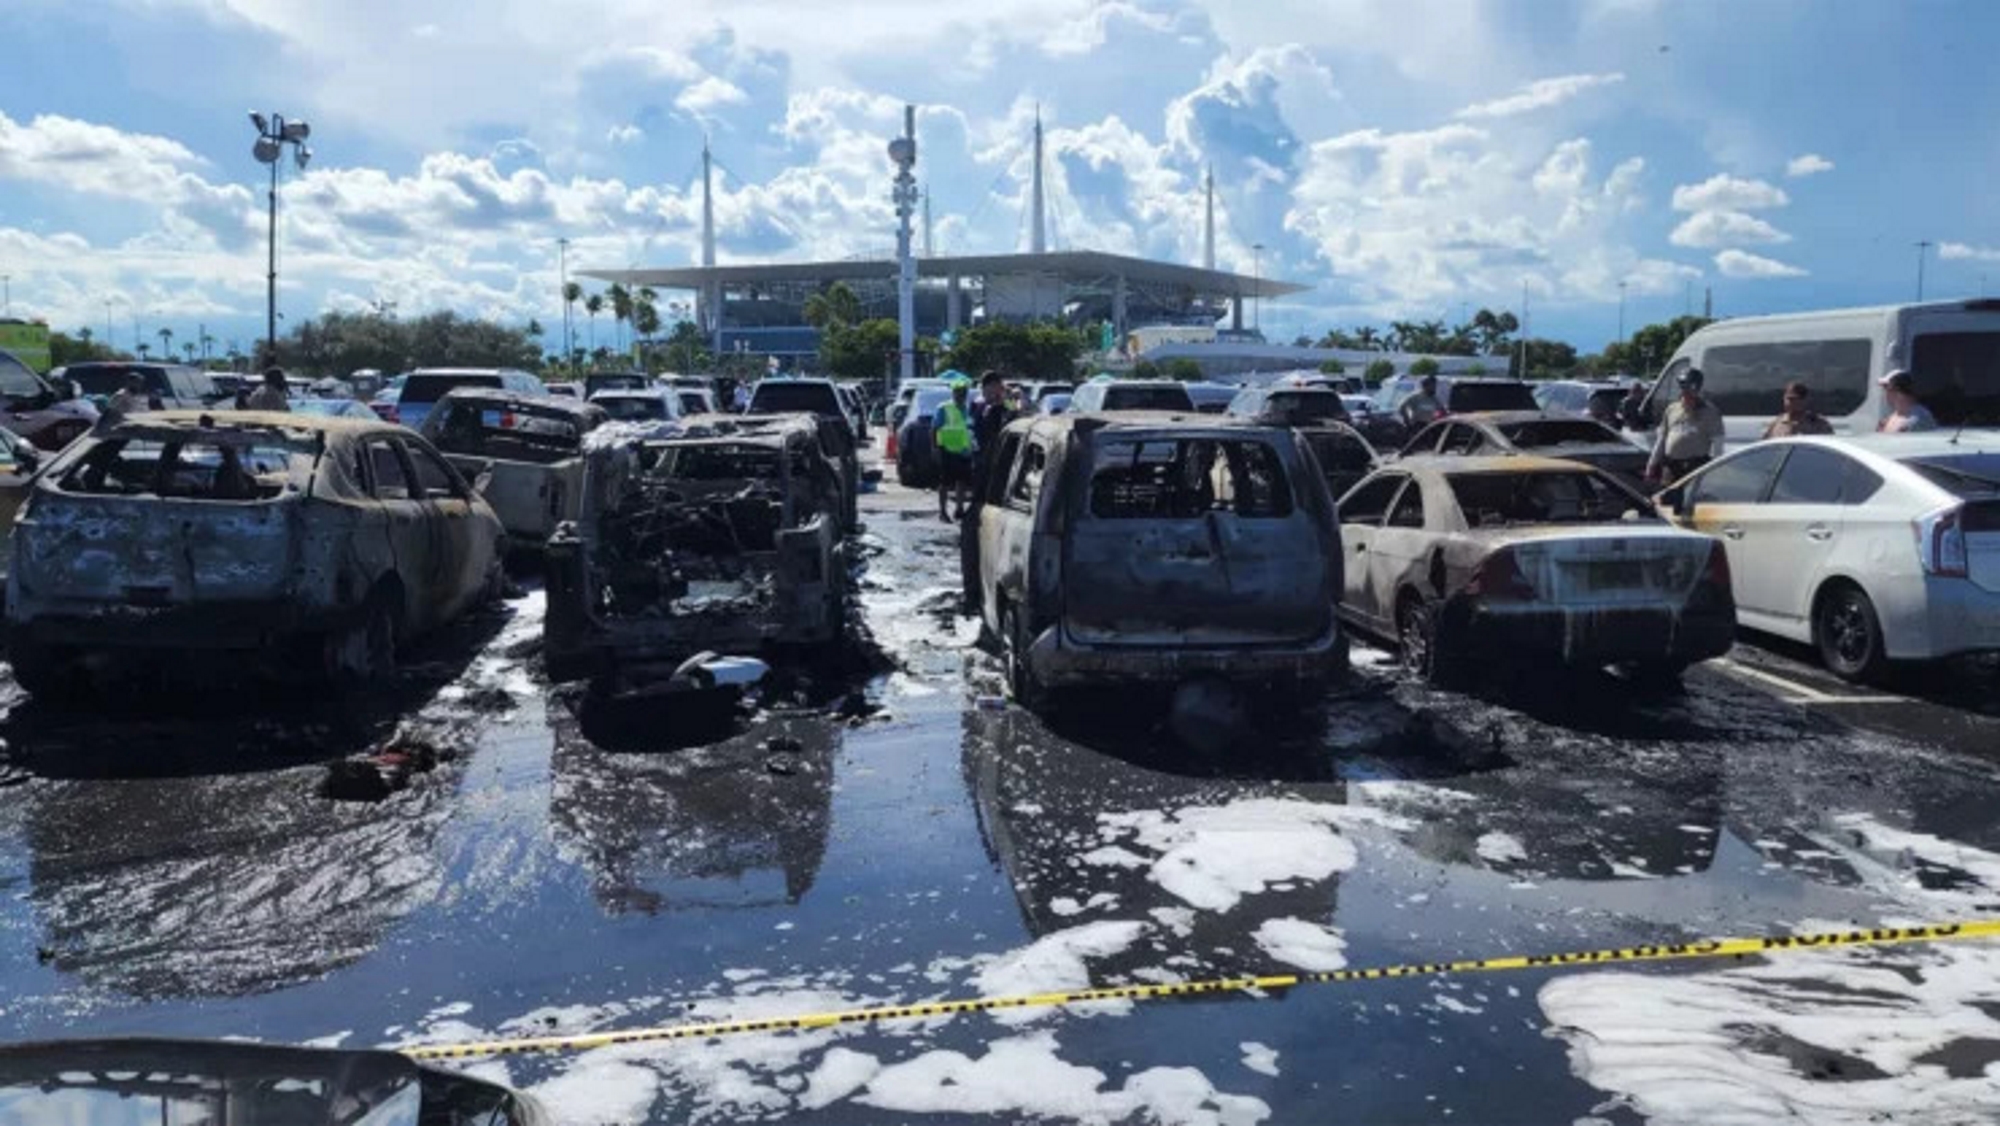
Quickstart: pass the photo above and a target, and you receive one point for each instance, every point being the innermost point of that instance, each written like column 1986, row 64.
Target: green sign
column 1105, row 342
column 29, row 343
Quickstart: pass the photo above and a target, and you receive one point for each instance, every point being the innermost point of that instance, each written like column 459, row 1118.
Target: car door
column 1461, row 439
column 1793, row 533
column 1425, row 441
column 465, row 546
column 405, row 519
column 1006, row 520
column 1726, row 499
column 1361, row 513
column 1400, row 547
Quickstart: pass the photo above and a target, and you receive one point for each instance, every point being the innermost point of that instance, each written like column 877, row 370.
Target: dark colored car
column 1317, row 413
column 1212, row 398
column 916, row 453
column 1523, row 432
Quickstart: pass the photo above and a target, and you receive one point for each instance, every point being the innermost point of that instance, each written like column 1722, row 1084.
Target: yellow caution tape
column 1706, row 948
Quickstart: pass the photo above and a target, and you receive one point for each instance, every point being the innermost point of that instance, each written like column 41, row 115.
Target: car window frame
column 401, row 460
column 1018, row 477
column 1693, row 487
column 1393, row 479
column 455, row 486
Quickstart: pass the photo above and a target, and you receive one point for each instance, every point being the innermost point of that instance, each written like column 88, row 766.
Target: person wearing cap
column 1906, row 415
column 1691, row 433
column 1632, row 408
column 130, row 399
column 271, row 396
column 1798, row 418
column 1423, row 406
column 952, row 431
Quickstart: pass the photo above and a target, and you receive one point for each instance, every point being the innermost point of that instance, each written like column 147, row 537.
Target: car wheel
column 40, row 671
column 1416, row 634
column 364, row 651
column 1021, row 682
column 1849, row 635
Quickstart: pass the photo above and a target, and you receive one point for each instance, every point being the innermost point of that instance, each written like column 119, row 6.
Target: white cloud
column 1723, row 192
column 1810, row 164
column 1088, row 32
column 1540, row 94
column 1245, row 102
column 1708, row 230
column 710, row 94
column 625, row 134
column 1564, row 172
column 1740, row 264
column 1963, row 252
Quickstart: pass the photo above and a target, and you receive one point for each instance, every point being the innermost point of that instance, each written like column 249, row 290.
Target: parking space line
column 1800, row 693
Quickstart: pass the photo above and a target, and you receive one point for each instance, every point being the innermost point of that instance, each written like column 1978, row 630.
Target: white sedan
column 1877, row 548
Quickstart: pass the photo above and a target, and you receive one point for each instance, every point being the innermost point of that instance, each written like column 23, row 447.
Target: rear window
column 1297, row 408
column 1974, row 477
column 1340, row 452
column 18, row 380
column 592, row 384
column 927, row 403
column 783, row 398
column 633, row 408
column 1499, row 499
column 1187, row 478
column 109, row 379
column 1147, row 399
column 1047, row 389
column 182, row 470
column 1556, row 432
column 517, row 433
column 718, row 463
column 1958, row 376
column 431, row 388
column 1464, row 397
column 693, row 402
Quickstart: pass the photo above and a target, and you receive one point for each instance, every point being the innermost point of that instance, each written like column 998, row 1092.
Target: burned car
column 1501, row 559
column 1150, row 547
column 725, row 537
column 308, row 545
column 1493, row 433
column 531, row 448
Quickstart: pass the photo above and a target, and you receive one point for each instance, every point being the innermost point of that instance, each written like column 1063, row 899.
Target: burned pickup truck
column 725, row 537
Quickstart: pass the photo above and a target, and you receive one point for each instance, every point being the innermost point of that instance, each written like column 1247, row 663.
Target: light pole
column 107, row 323
column 1256, row 299
column 272, row 137
column 1923, row 251
column 6, row 294
column 1621, row 311
column 903, row 154
column 569, row 338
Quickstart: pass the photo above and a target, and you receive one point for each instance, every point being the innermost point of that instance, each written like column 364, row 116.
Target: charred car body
column 1156, row 547
column 725, row 537
column 310, row 545
column 529, row 448
column 1467, row 559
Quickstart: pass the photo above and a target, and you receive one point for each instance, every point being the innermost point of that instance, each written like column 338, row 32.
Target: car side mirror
column 484, row 479
column 1674, row 499
column 27, row 458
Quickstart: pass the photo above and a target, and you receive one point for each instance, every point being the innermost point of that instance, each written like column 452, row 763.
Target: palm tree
column 645, row 319
column 207, row 342
column 166, row 336
column 594, row 304
column 143, row 348
column 572, row 293
column 1366, row 337
column 188, row 349
column 832, row 307
column 621, row 308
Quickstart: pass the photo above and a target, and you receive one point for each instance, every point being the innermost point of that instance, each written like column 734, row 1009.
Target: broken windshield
column 1186, row 478
column 1500, row 499
column 1544, row 433
column 185, row 470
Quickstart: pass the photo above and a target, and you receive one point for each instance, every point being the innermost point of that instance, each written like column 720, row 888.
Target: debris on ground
column 374, row 775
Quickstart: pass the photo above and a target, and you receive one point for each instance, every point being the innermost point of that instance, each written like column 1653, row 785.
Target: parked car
column 1056, row 403
column 899, row 410
column 529, row 449
column 228, row 385
column 1035, row 392
column 695, row 400
column 1383, row 429
column 333, row 408
column 1155, row 549
column 1594, row 399
column 1491, row 560
column 598, row 381
column 328, row 388
column 1522, row 432
column 1460, row 394
column 724, row 537
column 564, row 390
column 648, row 405
column 383, row 403
column 1212, row 398
column 422, row 388
column 1873, row 549
column 1950, row 348
column 820, row 397
column 857, row 409
column 18, row 461
column 168, row 386
column 1104, row 395
column 1344, row 456
column 916, row 453
column 296, row 544
column 43, row 411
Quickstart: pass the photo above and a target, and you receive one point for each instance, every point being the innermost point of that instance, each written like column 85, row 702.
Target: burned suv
column 725, row 537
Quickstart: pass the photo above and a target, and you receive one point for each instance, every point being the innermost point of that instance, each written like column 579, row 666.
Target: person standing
column 1798, row 419
column 951, row 431
column 1423, row 407
column 1906, row 415
column 990, row 415
column 1632, row 408
column 1690, row 435
column 130, row 400
column 271, row 396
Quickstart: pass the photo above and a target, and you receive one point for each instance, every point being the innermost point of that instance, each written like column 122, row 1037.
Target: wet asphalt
column 885, row 836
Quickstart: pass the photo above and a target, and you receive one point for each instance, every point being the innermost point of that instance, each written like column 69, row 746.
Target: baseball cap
column 1691, row 378
column 1899, row 380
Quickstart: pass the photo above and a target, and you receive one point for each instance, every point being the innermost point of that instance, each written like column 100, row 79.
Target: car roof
column 244, row 420
column 1897, row 447
column 793, row 381
column 1457, row 464
column 1133, row 421
column 502, row 395
column 466, row 371
column 1498, row 417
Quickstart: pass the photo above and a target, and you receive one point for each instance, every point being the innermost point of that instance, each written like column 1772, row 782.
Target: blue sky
column 1403, row 159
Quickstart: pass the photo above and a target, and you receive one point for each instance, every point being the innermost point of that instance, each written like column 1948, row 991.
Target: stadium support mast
column 927, row 223
column 1208, row 231
column 1038, row 239
column 707, row 209
column 903, row 154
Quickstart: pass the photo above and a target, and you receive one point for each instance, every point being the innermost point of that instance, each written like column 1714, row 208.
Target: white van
column 1950, row 348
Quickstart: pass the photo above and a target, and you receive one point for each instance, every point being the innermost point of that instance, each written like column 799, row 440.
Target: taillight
column 1717, row 574
column 506, row 420
column 1499, row 578
column 1941, row 541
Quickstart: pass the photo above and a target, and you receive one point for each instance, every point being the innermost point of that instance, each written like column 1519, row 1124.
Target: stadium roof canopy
column 1073, row 265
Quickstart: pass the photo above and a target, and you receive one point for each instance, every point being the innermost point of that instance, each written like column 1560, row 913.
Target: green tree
column 685, row 351
column 1474, row 368
column 859, row 351
column 1331, row 367
column 645, row 319
column 1543, row 357
column 1034, row 351
column 593, row 305
column 1335, row 338
column 1185, row 370
column 833, row 306
column 65, row 349
column 1424, row 366
column 1377, row 371
column 1492, row 331
column 1365, row 338
column 166, row 336
column 571, row 293
column 621, row 310
column 1145, row 369
column 1652, row 345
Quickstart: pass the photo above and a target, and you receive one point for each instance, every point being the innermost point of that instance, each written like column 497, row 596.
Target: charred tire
column 365, row 651
column 1022, row 683
column 43, row 672
column 1849, row 634
column 1417, row 635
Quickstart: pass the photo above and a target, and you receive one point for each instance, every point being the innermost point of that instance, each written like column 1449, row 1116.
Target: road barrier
column 1266, row 984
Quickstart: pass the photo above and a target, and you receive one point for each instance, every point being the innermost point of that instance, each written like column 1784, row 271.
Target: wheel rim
column 1849, row 633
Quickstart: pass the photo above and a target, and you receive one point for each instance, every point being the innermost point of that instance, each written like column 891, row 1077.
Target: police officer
column 951, row 429
column 271, row 396
column 1691, row 432
column 1423, row 407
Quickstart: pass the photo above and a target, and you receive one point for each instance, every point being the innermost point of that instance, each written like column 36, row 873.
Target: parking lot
column 893, row 830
